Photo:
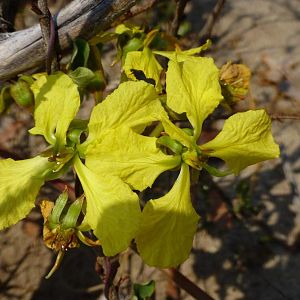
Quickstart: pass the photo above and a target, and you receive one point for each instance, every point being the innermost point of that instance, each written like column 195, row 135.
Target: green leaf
column 168, row 225
column 57, row 101
column 144, row 291
column 137, row 161
column 193, row 87
column 20, row 182
column 80, row 54
column 5, row 98
column 82, row 76
column 133, row 44
column 246, row 139
column 112, row 211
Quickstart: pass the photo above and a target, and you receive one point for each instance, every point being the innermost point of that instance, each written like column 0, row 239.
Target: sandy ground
column 252, row 257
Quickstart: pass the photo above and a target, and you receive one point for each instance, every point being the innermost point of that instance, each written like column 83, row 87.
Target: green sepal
column 27, row 79
column 76, row 129
column 168, row 142
column 188, row 131
column 215, row 172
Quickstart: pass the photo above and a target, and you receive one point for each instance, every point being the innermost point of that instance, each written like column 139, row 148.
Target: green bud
column 21, row 93
column 188, row 131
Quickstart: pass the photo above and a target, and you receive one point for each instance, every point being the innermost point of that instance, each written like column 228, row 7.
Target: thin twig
column 186, row 284
column 137, row 10
column 207, row 29
column 180, row 5
column 40, row 7
column 285, row 117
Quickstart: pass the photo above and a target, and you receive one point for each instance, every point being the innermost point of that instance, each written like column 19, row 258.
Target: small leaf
column 5, row 98
column 144, row 291
column 82, row 76
column 80, row 54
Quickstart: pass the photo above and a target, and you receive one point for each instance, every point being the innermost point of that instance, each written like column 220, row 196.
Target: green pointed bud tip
column 214, row 171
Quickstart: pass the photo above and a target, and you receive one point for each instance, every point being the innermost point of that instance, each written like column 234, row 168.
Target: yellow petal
column 193, row 87
column 183, row 55
column 130, row 29
column 168, row 226
column 133, row 157
column 178, row 134
column 146, row 62
column 132, row 104
column 57, row 101
column 113, row 210
column 246, row 139
column 20, row 182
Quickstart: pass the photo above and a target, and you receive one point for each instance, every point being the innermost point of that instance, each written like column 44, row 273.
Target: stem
column 40, row 7
column 180, row 5
column 186, row 284
column 207, row 29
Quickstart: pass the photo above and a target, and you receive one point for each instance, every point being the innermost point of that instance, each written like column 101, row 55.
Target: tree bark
column 23, row 50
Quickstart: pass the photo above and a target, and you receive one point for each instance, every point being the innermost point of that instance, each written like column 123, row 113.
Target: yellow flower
column 169, row 223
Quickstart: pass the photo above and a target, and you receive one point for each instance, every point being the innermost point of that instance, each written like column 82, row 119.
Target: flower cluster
column 116, row 159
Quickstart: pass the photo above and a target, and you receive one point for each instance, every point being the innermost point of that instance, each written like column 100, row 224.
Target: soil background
column 253, row 255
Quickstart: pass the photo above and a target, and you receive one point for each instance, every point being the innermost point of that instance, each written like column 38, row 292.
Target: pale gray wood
column 23, row 50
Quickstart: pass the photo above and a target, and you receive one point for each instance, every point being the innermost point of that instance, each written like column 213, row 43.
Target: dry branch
column 23, row 50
